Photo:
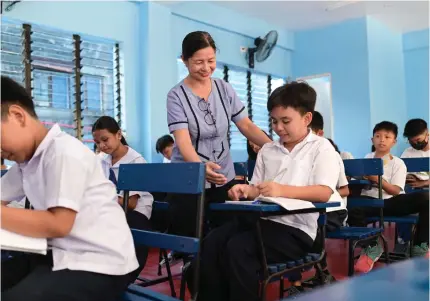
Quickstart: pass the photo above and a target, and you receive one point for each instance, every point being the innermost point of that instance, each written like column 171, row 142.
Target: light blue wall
column 386, row 78
column 340, row 50
column 416, row 59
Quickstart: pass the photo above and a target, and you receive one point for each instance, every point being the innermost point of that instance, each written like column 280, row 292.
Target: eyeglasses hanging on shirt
column 209, row 118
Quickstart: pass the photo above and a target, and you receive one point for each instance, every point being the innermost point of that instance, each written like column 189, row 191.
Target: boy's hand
column 270, row 189
column 418, row 183
column 373, row 179
column 239, row 191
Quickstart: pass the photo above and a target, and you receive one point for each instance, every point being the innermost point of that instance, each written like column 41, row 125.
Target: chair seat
column 137, row 293
column 410, row 219
column 353, row 233
column 278, row 267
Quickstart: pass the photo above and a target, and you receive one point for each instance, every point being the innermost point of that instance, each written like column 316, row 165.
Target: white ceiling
column 403, row 16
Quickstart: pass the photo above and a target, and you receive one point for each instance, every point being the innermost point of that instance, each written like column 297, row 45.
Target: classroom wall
column 341, row 50
column 375, row 73
column 416, row 60
column 386, row 78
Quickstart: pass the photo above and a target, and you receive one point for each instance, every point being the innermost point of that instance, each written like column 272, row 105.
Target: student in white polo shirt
column 417, row 133
column 109, row 139
column 300, row 166
column 396, row 202
column 92, row 255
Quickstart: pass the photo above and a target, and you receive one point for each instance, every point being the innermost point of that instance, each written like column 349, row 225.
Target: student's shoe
column 420, row 250
column 173, row 259
column 295, row 291
column 368, row 258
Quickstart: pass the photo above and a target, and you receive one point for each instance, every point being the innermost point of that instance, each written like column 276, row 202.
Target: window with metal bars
column 73, row 80
column 275, row 82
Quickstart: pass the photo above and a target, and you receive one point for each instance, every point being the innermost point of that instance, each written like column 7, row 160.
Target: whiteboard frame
column 305, row 78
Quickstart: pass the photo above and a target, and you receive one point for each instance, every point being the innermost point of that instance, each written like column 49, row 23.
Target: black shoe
column 295, row 291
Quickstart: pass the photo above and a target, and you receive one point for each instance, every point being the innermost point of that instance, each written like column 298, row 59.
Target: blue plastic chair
column 164, row 178
column 241, row 170
column 355, row 235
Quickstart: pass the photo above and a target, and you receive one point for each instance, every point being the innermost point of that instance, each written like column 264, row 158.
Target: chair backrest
column 363, row 167
column 241, row 168
column 179, row 178
column 3, row 172
column 186, row 178
column 417, row 164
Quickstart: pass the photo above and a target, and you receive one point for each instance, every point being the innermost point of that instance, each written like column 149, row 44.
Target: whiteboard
column 322, row 85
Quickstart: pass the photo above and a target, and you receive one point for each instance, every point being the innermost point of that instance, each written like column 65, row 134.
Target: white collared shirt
column 63, row 172
column 144, row 203
column 312, row 162
column 394, row 173
column 165, row 160
column 411, row 152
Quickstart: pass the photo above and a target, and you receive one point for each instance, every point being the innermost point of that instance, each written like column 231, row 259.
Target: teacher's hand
column 212, row 176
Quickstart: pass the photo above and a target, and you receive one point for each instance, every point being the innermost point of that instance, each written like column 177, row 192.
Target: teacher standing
column 200, row 110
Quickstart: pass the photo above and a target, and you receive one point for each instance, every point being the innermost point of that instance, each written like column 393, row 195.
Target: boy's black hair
column 13, row 93
column 386, row 126
column 297, row 95
column 414, row 127
column 164, row 142
column 317, row 122
column 336, row 148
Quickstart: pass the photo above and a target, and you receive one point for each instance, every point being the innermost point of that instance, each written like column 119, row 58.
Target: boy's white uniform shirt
column 411, row 152
column 144, row 203
column 63, row 172
column 313, row 161
column 394, row 173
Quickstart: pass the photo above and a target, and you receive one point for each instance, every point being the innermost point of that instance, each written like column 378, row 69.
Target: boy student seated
column 299, row 166
column 417, row 133
column 336, row 217
column 318, row 128
column 91, row 255
column 164, row 146
column 109, row 139
column 397, row 203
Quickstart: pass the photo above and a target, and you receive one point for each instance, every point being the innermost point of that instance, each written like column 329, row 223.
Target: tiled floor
column 337, row 262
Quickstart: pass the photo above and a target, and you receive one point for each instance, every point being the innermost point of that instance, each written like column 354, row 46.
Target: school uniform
column 208, row 123
column 96, row 259
column 230, row 260
column 139, row 217
column 399, row 205
column 411, row 152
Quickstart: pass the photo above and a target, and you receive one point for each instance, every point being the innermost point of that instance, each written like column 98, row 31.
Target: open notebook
column 289, row 204
column 15, row 242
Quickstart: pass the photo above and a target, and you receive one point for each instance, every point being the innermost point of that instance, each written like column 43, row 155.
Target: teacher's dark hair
column 108, row 123
column 194, row 41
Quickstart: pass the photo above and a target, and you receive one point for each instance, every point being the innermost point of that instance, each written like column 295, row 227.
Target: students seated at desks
column 301, row 166
column 416, row 132
column 91, row 256
column 109, row 139
column 164, row 146
column 397, row 203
